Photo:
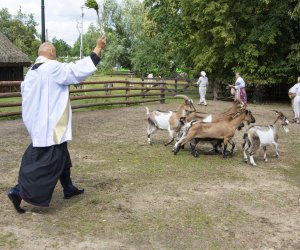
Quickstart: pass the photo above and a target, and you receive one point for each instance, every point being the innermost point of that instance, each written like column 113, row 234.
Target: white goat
column 263, row 136
column 168, row 120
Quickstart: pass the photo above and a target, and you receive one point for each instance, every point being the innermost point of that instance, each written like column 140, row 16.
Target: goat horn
column 274, row 110
column 183, row 96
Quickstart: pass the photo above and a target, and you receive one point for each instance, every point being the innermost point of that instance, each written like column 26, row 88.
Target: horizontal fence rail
column 89, row 94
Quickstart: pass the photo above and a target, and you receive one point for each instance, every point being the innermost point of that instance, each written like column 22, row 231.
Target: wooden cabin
column 12, row 61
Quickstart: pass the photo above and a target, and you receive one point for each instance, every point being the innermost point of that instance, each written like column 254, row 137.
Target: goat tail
column 147, row 111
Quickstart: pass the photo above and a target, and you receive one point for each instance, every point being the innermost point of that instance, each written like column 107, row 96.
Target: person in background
column 239, row 88
column 47, row 116
column 294, row 94
column 202, row 83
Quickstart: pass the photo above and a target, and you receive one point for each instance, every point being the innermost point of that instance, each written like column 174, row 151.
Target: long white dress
column 296, row 100
column 202, row 83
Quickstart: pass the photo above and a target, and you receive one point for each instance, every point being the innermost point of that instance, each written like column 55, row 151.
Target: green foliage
column 92, row 4
column 21, row 30
column 89, row 42
column 62, row 48
column 259, row 38
column 163, row 42
column 123, row 25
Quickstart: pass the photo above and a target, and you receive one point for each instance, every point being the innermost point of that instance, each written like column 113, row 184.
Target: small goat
column 263, row 136
column 223, row 130
column 168, row 120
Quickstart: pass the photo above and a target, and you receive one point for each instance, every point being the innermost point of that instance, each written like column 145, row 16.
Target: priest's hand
column 100, row 44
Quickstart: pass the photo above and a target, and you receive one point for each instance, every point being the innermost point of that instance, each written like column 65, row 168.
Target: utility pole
column 81, row 34
column 43, row 21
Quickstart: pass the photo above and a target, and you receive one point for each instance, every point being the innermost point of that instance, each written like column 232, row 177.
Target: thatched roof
column 10, row 54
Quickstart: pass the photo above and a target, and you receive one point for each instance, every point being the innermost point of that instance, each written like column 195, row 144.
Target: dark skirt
column 41, row 168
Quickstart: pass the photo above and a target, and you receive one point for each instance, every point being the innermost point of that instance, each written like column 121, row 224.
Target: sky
column 61, row 16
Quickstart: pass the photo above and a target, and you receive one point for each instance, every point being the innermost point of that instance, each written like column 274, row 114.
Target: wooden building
column 12, row 61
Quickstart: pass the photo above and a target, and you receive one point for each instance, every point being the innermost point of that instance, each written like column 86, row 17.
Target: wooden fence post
column 162, row 92
column 127, row 91
column 143, row 85
column 175, row 84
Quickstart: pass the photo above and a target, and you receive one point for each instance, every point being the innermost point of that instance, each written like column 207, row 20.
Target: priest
column 47, row 115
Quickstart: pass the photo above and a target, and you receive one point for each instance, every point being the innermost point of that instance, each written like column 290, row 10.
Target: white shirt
column 46, row 110
column 202, row 81
column 240, row 83
column 295, row 89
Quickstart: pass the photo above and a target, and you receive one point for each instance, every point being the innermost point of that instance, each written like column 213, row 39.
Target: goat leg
column 149, row 140
column 176, row 148
column 224, row 151
column 169, row 142
column 265, row 153
column 232, row 147
column 217, row 146
column 193, row 144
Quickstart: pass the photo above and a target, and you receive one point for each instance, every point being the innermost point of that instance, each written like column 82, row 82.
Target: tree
column 89, row 41
column 294, row 56
column 260, row 38
column 123, row 23
column 251, row 37
column 62, row 48
column 21, row 30
column 163, row 21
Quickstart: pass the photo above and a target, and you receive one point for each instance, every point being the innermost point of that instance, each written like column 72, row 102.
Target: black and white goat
column 168, row 120
column 263, row 136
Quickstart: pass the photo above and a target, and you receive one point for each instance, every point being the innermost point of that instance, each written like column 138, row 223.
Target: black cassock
column 40, row 170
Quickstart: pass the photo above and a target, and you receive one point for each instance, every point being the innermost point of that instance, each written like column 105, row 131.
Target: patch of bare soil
column 143, row 197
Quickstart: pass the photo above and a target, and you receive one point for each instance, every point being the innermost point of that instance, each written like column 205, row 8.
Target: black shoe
column 16, row 201
column 75, row 191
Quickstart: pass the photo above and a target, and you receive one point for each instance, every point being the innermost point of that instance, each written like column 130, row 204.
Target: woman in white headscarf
column 294, row 94
column 202, row 83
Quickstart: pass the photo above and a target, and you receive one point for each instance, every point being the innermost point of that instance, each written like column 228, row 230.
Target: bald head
column 237, row 74
column 298, row 79
column 47, row 50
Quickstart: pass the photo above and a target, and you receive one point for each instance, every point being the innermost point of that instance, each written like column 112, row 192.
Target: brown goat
column 236, row 106
column 223, row 130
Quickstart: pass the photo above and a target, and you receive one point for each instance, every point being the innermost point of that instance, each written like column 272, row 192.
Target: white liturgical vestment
column 46, row 109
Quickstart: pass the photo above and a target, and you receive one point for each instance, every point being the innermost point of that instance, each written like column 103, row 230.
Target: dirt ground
column 143, row 197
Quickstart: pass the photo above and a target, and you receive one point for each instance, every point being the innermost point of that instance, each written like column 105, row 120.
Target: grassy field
column 143, row 197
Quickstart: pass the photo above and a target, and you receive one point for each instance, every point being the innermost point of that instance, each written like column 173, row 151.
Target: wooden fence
column 102, row 93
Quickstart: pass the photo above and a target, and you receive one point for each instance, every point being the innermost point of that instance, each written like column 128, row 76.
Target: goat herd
column 188, row 125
